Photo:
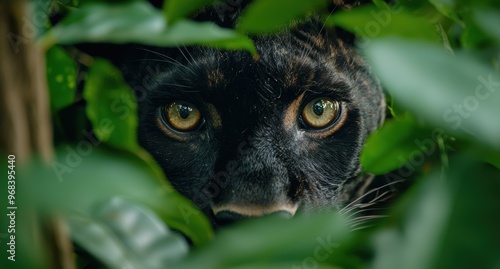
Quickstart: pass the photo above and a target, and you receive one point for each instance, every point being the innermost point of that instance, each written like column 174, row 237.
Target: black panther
column 244, row 137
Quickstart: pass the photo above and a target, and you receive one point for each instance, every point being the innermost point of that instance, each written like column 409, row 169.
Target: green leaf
column 139, row 22
column 123, row 235
column 457, row 93
column 61, row 78
column 207, row 33
column 488, row 20
column 370, row 22
column 265, row 16
column 81, row 177
column 474, row 36
column 272, row 241
column 396, row 143
column 111, row 106
column 179, row 9
column 447, row 8
column 446, row 222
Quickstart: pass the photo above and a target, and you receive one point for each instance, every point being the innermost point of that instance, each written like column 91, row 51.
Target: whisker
column 171, row 60
column 177, row 85
column 189, row 53
column 377, row 199
column 361, row 228
column 368, row 193
column 183, row 55
column 364, row 211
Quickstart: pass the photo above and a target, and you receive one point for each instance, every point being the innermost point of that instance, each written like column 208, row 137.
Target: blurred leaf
column 139, row 22
column 444, row 224
column 61, row 78
column 380, row 4
column 179, row 9
column 473, row 35
column 371, row 22
column 263, row 16
column 111, row 106
column 395, row 143
column 457, row 94
column 206, row 33
column 124, row 235
column 82, row 176
column 489, row 20
column 447, row 8
column 272, row 241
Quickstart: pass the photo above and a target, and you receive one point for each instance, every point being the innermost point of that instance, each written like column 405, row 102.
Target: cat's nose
column 229, row 214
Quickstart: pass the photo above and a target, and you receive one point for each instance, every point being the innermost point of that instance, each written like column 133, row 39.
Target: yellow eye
column 182, row 116
column 321, row 112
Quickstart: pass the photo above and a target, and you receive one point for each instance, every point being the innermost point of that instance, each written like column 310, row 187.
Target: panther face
column 242, row 137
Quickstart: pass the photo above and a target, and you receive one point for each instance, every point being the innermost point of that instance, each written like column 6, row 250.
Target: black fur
column 252, row 159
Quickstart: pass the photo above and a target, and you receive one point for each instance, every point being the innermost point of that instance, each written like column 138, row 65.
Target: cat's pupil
column 184, row 111
column 318, row 108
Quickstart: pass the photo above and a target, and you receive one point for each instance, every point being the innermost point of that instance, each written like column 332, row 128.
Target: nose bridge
column 255, row 175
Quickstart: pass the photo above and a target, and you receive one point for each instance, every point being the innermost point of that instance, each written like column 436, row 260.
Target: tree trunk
column 25, row 125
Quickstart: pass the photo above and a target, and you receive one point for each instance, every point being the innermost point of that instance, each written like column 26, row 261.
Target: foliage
column 439, row 63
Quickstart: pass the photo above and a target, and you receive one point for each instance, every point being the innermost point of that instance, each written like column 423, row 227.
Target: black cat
column 243, row 137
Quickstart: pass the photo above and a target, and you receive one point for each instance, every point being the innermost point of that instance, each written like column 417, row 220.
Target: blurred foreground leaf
column 449, row 222
column 123, row 235
column 276, row 242
column 82, row 177
column 488, row 20
column 370, row 22
column 457, row 93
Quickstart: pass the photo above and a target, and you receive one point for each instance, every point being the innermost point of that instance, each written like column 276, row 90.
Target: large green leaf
column 82, row 176
column 370, row 22
column 111, row 106
column 139, row 22
column 458, row 93
column 61, row 78
column 449, row 222
column 265, row 16
column 303, row 240
column 124, row 235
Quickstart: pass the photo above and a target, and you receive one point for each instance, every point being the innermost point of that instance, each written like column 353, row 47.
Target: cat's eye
column 321, row 113
column 181, row 116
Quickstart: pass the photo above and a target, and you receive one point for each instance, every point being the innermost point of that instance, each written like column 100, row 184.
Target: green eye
column 321, row 112
column 182, row 116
